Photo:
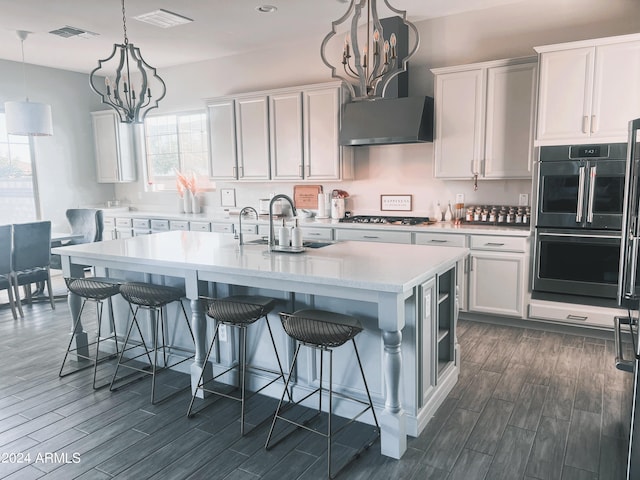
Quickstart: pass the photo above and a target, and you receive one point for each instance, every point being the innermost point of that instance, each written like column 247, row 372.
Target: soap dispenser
column 296, row 235
column 449, row 215
column 283, row 235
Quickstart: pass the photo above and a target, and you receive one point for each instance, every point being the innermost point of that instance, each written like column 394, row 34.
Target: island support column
column 194, row 289
column 393, row 438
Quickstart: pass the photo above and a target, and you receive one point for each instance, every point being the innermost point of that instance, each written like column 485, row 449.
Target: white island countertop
column 376, row 266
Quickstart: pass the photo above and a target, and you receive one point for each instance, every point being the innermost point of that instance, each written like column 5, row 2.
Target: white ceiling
column 220, row 27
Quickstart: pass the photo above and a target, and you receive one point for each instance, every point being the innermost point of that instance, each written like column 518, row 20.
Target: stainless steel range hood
column 387, row 121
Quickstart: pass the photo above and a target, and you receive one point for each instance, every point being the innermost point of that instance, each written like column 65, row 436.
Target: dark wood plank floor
column 529, row 405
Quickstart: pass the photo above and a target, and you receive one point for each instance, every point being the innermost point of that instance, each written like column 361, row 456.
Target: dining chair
column 5, row 266
column 88, row 222
column 31, row 258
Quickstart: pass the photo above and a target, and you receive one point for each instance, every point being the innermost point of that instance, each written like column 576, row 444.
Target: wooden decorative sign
column 306, row 196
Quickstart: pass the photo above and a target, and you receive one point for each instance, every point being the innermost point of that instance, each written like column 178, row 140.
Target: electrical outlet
column 222, row 333
column 228, row 197
column 523, row 200
column 460, row 198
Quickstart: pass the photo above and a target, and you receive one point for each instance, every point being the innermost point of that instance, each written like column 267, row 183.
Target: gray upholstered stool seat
column 96, row 289
column 153, row 298
column 238, row 311
column 323, row 331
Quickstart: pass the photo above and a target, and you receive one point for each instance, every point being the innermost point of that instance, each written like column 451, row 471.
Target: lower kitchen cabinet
column 497, row 283
column 372, row 236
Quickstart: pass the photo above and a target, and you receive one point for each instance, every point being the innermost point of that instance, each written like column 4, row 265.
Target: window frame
column 168, row 184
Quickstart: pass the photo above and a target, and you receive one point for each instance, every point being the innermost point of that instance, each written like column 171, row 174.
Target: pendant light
column 27, row 118
column 129, row 93
column 369, row 58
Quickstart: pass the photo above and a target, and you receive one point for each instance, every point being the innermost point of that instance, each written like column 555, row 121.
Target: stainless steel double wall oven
column 579, row 220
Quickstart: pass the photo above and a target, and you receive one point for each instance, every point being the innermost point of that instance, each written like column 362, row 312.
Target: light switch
column 228, row 197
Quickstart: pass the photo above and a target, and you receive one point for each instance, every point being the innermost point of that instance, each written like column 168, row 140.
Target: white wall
column 65, row 163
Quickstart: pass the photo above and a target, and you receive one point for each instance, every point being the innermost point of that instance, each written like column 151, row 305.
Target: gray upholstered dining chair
column 31, row 258
column 88, row 222
column 5, row 265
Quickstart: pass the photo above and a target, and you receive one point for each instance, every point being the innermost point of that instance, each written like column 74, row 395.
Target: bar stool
column 323, row 331
column 238, row 311
column 92, row 289
column 153, row 298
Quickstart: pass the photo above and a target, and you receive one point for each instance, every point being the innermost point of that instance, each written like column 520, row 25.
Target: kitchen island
column 404, row 295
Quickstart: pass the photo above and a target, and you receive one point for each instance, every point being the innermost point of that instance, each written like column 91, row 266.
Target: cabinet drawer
column 123, row 222
column 441, row 239
column 200, row 226
column 109, row 222
column 222, row 227
column 178, row 225
column 317, row 233
column 160, row 225
column 373, row 236
column 498, row 243
column 140, row 223
column 250, row 229
column 573, row 313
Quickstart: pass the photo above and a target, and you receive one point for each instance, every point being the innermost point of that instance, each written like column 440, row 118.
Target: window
column 17, row 187
column 176, row 143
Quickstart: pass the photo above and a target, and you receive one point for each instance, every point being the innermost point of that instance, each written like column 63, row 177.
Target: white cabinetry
column 285, row 121
column 484, row 119
column 497, row 275
column 115, row 148
column 588, row 90
column 372, row 235
column 450, row 240
column 252, row 137
column 285, row 134
column 222, row 139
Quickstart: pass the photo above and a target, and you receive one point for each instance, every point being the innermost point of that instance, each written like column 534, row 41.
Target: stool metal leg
column 243, row 372
column 200, row 384
column 73, row 334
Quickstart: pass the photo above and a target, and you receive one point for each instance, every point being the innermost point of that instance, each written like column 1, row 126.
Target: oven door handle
column 549, row 234
column 592, row 193
column 580, row 205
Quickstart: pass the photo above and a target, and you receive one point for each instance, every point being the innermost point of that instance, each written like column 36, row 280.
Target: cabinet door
column 509, row 121
column 564, row 103
column 114, row 145
column 222, row 139
column 285, row 121
column 497, row 283
column 459, row 117
column 321, row 109
column 252, row 134
column 616, row 96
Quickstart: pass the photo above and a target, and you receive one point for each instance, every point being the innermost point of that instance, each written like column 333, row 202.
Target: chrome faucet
column 272, row 236
column 242, row 213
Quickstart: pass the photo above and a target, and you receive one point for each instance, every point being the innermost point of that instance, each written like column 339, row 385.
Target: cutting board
column 306, row 196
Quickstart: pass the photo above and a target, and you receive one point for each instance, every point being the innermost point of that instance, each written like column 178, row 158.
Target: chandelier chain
column 124, row 24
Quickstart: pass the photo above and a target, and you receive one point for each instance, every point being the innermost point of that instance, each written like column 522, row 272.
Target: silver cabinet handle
column 494, row 244
column 585, row 124
column 301, row 170
column 577, row 317
column 438, row 241
column 594, row 125
column 580, row 195
column 369, row 236
column 313, row 234
column 592, row 193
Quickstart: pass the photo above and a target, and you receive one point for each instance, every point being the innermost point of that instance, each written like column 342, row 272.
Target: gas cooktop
column 380, row 219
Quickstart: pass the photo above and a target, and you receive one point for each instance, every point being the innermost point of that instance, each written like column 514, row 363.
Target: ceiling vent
column 68, row 32
column 163, row 18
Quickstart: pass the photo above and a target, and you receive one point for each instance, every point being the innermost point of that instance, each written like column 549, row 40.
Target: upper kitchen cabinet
column 252, row 137
column 285, row 134
column 221, row 116
column 484, row 119
column 588, row 90
column 115, row 148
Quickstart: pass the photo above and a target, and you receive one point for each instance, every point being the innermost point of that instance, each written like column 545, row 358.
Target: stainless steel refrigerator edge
column 628, row 284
